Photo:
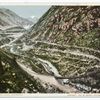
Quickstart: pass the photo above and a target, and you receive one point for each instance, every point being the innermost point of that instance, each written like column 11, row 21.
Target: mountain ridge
column 9, row 18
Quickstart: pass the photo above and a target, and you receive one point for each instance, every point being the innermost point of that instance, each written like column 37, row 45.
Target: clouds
column 32, row 17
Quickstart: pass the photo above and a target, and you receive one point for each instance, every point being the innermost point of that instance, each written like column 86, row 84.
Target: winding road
column 48, row 79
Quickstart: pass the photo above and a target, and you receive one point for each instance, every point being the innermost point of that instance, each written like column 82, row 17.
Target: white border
column 49, row 2
column 59, row 1
column 50, row 95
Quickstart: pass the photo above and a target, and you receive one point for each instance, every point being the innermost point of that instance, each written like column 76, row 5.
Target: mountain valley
column 58, row 54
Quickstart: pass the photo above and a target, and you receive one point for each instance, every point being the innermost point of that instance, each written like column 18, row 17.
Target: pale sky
column 27, row 11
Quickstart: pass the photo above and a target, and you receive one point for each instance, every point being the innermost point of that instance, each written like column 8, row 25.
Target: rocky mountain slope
column 68, row 37
column 62, row 50
column 8, row 18
column 66, row 25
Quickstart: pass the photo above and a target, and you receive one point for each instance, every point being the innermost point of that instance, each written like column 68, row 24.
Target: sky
column 28, row 11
